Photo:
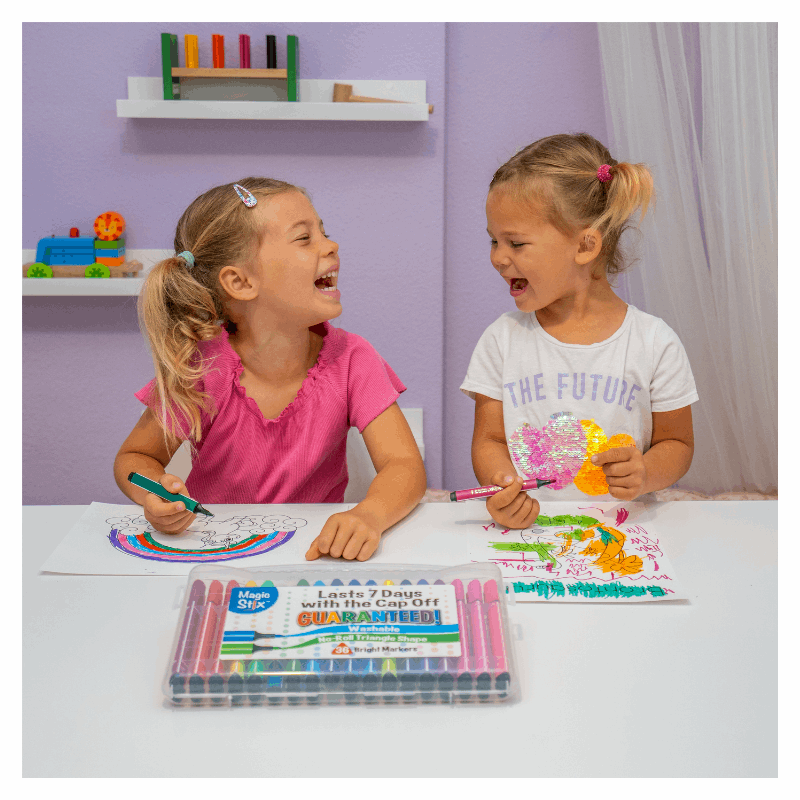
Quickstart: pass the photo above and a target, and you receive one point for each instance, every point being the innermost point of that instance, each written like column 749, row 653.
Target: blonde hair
column 558, row 174
column 180, row 306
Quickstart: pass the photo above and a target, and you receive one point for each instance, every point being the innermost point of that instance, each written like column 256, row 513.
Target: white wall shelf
column 90, row 287
column 80, row 287
column 145, row 100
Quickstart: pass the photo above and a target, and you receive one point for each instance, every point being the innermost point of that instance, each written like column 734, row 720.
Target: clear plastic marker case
column 305, row 635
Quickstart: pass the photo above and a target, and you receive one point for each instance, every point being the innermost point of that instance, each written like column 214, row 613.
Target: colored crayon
column 216, row 678
column 354, row 667
column 329, row 669
column 312, row 682
column 255, row 681
column 154, row 487
column 407, row 671
column 488, row 491
column 446, row 677
column 272, row 53
column 274, row 681
column 428, row 668
column 312, row 670
column 203, row 653
column 498, row 660
column 389, row 671
column 295, row 680
column 191, row 620
column 463, row 678
column 236, row 682
column 479, row 639
column 372, row 671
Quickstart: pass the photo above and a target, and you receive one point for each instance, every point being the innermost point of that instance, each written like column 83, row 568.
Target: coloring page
column 579, row 553
column 118, row 540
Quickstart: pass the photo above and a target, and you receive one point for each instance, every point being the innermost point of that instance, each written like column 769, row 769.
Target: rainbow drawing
column 223, row 539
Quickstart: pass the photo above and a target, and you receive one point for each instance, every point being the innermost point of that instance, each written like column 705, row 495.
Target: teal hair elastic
column 187, row 257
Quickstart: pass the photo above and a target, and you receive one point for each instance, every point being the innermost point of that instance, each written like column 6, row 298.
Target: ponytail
column 176, row 312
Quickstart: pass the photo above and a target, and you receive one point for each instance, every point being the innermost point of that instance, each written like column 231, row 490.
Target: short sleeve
column 372, row 385
column 149, row 396
column 672, row 386
column 485, row 371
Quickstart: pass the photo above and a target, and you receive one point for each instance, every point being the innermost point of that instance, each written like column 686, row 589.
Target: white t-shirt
column 564, row 402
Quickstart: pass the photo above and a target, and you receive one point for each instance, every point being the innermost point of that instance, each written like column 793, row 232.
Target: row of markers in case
column 292, row 636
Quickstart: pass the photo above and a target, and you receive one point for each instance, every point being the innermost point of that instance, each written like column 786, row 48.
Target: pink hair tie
column 604, row 173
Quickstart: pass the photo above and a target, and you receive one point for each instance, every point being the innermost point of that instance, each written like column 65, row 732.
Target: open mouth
column 327, row 283
column 518, row 285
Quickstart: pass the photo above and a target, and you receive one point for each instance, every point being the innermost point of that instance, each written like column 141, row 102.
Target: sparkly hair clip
column 245, row 195
column 187, row 257
column 604, row 173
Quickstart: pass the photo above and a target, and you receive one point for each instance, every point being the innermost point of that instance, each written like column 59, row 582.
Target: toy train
column 98, row 256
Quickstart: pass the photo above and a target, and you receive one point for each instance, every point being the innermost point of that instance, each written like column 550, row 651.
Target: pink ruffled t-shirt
column 299, row 457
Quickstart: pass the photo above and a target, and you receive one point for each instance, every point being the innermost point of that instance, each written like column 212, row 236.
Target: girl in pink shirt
column 252, row 373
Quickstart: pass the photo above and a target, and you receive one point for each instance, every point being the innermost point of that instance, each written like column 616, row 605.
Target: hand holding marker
column 488, row 491
column 157, row 489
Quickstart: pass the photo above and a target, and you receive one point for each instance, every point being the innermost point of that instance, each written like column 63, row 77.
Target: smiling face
column 540, row 264
column 296, row 264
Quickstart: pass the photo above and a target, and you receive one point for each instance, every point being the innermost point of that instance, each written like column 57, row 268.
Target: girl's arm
column 146, row 452
column 492, row 464
column 630, row 473
column 394, row 492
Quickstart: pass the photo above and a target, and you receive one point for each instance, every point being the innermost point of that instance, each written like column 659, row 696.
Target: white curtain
column 698, row 104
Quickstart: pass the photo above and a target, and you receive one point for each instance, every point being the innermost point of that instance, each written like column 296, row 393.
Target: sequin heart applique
column 556, row 452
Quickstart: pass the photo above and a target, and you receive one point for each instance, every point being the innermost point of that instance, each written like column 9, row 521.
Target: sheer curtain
column 698, row 104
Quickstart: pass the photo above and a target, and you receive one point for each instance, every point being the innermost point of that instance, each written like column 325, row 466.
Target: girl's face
column 297, row 264
column 537, row 261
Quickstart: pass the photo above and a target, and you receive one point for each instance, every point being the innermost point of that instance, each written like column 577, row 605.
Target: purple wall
column 552, row 84
column 404, row 201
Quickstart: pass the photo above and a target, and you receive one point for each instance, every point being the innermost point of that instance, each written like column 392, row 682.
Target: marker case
column 352, row 634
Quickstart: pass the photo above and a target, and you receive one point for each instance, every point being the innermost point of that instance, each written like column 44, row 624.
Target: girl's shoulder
column 342, row 345
column 650, row 325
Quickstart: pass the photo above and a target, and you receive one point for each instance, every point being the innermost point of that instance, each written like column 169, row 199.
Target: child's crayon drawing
column 117, row 540
column 218, row 538
column 588, row 555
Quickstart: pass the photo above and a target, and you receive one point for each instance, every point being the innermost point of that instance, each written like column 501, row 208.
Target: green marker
column 157, row 489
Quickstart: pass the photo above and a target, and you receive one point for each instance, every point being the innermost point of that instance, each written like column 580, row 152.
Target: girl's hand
column 625, row 471
column 345, row 535
column 168, row 516
column 511, row 507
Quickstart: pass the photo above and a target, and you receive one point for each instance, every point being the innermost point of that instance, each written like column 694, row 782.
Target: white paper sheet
column 117, row 540
column 580, row 552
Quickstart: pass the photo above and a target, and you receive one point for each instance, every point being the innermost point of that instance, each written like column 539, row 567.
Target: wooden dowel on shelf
column 182, row 72
column 343, row 93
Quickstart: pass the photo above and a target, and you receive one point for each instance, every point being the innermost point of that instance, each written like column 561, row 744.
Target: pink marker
column 488, row 491
column 208, row 627
column 463, row 679
column 479, row 660
column 194, row 614
column 497, row 660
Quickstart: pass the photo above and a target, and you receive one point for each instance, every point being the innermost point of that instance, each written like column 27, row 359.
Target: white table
column 666, row 689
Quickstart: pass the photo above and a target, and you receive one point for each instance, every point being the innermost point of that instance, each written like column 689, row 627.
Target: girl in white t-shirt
column 575, row 386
